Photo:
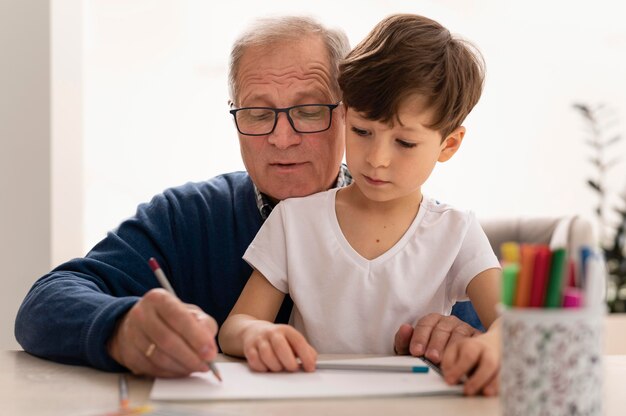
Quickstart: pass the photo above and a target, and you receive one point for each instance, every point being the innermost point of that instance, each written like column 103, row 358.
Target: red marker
column 540, row 272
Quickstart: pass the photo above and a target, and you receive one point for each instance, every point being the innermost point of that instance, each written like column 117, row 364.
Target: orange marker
column 123, row 385
column 524, row 281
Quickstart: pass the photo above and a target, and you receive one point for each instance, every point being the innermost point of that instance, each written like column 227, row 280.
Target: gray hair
column 267, row 31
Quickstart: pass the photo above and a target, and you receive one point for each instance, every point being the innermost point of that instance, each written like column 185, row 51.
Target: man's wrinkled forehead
column 299, row 68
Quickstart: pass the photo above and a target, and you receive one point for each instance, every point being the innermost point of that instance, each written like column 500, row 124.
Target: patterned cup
column 552, row 362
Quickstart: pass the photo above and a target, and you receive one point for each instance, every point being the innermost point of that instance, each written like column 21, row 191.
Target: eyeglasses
column 306, row 118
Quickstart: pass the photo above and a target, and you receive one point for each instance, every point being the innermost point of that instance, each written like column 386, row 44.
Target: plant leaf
column 594, row 185
column 584, row 110
column 613, row 162
column 612, row 140
column 595, row 161
column 593, row 144
column 621, row 212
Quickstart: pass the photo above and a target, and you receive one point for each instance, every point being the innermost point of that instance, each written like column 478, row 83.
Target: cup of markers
column 552, row 331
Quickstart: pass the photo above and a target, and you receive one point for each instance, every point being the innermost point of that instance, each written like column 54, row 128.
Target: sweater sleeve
column 70, row 313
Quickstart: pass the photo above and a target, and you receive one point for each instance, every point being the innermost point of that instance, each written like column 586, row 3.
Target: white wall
column 25, row 232
column 41, row 154
column 151, row 78
column 66, row 40
column 156, row 113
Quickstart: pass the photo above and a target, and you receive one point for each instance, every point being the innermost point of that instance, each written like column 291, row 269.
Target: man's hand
column 163, row 337
column 431, row 336
column 274, row 347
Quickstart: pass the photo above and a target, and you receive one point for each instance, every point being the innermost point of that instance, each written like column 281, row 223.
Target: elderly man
column 106, row 310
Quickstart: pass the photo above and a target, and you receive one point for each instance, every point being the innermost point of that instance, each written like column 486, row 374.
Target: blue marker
column 585, row 253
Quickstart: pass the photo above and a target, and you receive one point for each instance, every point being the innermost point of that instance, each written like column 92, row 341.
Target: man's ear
column 451, row 144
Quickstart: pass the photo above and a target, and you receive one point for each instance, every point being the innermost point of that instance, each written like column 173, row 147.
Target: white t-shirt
column 345, row 303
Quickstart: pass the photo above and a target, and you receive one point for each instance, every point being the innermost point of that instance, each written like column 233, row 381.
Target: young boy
column 363, row 260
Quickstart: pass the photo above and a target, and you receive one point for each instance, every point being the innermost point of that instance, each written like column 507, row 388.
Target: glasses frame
column 285, row 110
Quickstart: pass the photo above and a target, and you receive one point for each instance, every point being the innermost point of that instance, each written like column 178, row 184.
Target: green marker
column 509, row 283
column 554, row 293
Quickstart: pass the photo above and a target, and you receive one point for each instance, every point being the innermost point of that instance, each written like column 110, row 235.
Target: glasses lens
column 310, row 118
column 255, row 120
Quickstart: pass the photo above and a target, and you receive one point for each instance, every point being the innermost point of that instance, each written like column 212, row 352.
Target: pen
column 368, row 367
column 160, row 275
column 123, row 386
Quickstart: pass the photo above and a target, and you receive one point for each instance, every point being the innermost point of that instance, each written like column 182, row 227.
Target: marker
column 585, row 253
column 510, row 252
column 509, row 283
column 572, row 297
column 541, row 271
column 595, row 281
column 158, row 272
column 525, row 276
column 123, row 388
column 554, row 292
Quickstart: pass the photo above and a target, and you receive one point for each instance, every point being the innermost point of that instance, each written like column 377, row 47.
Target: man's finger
column 441, row 334
column 461, row 332
column 169, row 340
column 194, row 342
column 402, row 339
column 162, row 361
column 200, row 333
column 141, row 363
column 421, row 336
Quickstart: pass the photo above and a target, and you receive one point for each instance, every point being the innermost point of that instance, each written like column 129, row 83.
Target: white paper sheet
column 242, row 384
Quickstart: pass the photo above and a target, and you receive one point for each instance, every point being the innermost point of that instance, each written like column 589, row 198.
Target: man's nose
column 284, row 135
column 378, row 155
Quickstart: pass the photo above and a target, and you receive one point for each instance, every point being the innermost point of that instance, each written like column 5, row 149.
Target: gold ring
column 150, row 350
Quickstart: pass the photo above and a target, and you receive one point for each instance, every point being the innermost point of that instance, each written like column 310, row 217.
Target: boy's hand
column 431, row 336
column 274, row 347
column 478, row 359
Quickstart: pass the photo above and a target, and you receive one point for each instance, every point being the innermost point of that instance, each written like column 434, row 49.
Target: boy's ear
column 451, row 144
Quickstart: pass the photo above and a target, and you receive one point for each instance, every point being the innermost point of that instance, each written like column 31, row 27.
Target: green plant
column 599, row 123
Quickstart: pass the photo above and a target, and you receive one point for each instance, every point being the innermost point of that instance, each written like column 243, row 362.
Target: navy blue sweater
column 198, row 232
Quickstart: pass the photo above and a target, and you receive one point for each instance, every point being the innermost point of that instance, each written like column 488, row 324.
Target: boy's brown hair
column 407, row 55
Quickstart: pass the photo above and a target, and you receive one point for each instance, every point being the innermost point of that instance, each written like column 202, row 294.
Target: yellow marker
column 510, row 252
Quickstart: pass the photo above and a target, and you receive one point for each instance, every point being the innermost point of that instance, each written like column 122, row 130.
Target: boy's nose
column 378, row 156
column 284, row 135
